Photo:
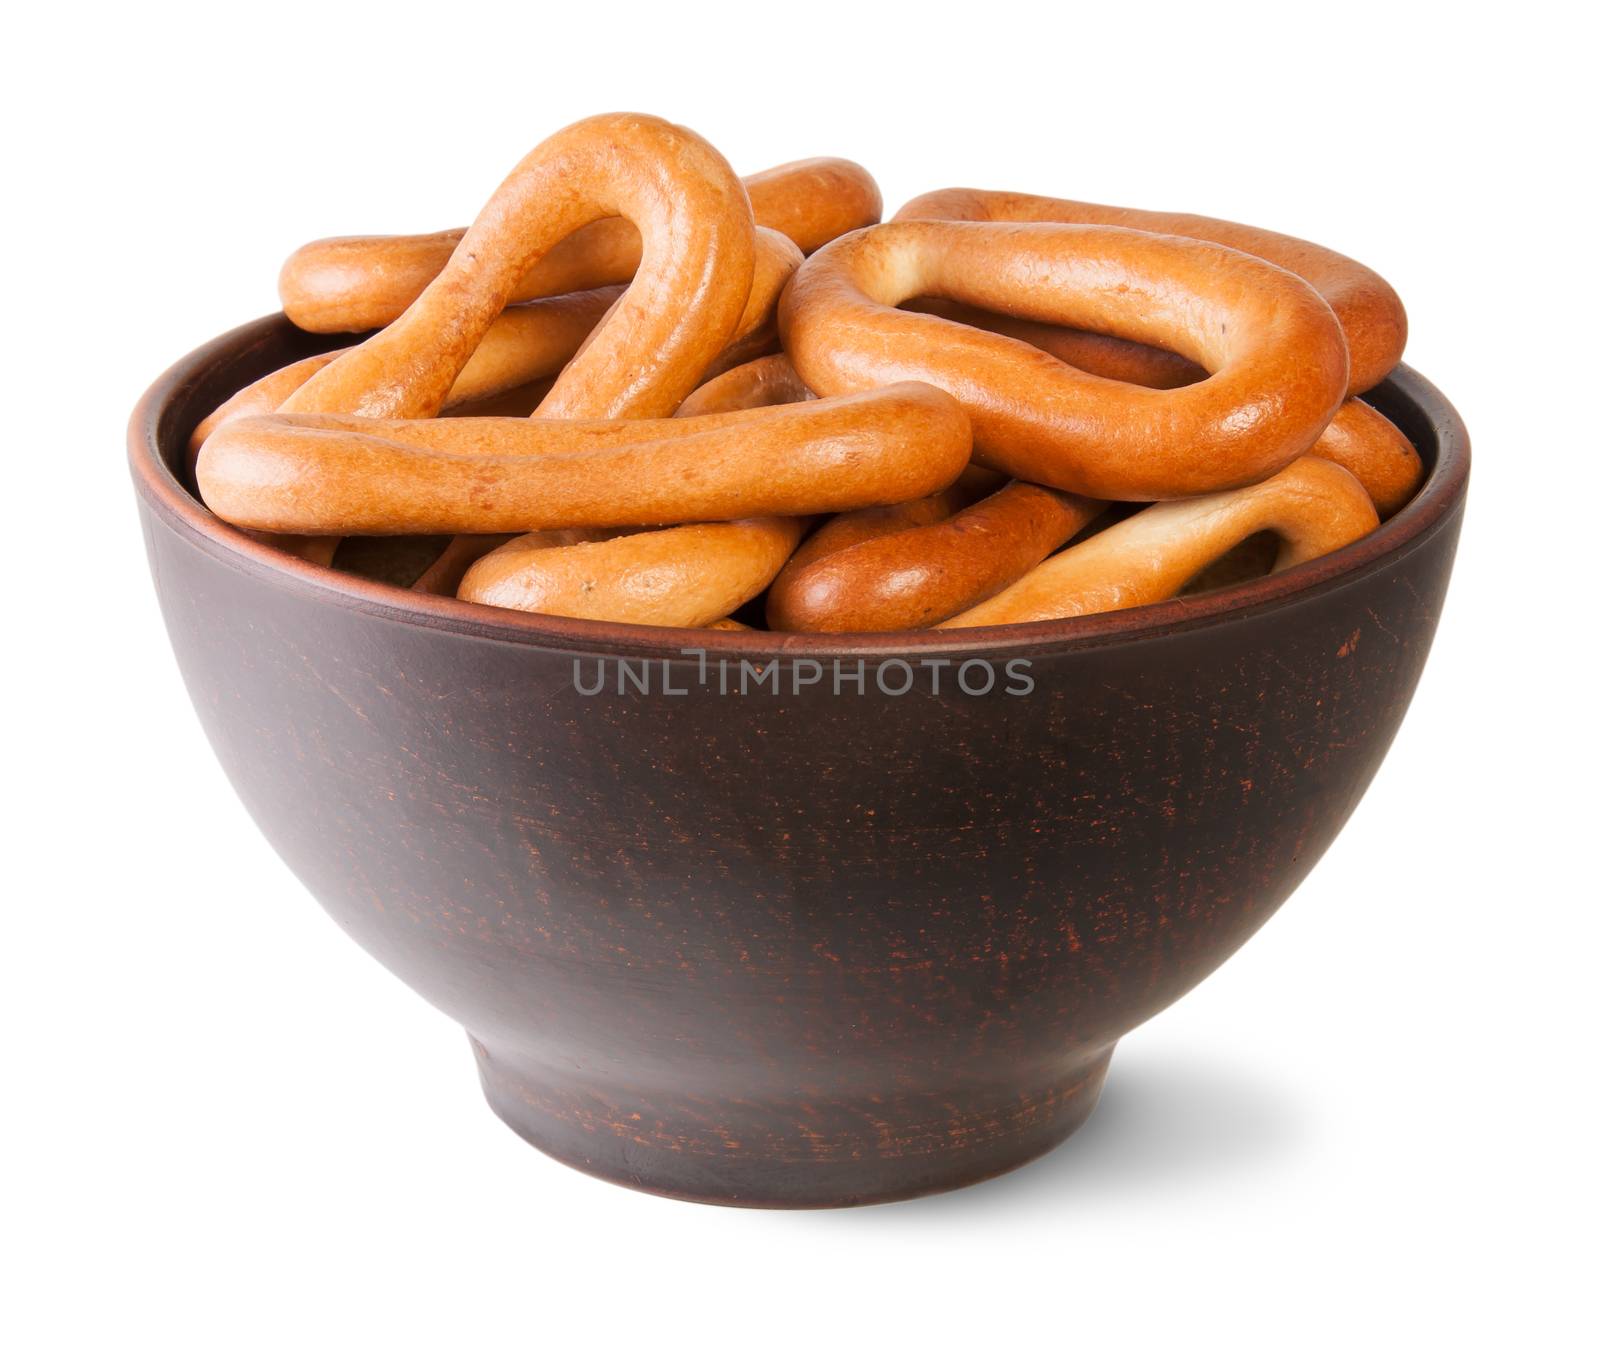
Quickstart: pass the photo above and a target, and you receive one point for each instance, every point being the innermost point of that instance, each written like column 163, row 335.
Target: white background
column 226, row 1123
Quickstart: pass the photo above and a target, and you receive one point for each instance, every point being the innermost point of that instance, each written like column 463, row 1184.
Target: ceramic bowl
column 792, row 920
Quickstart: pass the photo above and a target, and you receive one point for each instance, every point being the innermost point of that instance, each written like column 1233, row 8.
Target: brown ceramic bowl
column 791, row 947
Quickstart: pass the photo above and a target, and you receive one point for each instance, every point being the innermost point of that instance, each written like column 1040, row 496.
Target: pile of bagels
column 642, row 389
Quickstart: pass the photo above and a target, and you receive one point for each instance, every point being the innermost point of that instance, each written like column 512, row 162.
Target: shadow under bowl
column 791, row 920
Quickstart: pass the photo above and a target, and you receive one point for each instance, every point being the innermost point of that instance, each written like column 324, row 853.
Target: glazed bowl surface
column 791, row 920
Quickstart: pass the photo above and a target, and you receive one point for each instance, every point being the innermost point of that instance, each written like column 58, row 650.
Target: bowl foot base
column 787, row 1153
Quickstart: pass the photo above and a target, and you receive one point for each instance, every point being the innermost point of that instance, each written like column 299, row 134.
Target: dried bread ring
column 1275, row 351
column 1313, row 505
column 335, row 475
column 680, row 311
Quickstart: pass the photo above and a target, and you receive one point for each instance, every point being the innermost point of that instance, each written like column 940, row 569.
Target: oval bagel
column 335, row 475
column 1275, row 351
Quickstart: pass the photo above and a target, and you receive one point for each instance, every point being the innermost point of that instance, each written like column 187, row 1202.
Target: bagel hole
column 1102, row 354
column 1253, row 558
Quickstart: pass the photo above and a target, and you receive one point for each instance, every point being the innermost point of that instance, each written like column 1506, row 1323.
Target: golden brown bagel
column 322, row 475
column 663, row 177
column 354, row 284
column 677, row 315
column 1368, row 309
column 1313, row 505
column 688, row 576
column 721, row 561
column 1274, row 349
column 534, row 340
column 1358, row 438
column 914, row 577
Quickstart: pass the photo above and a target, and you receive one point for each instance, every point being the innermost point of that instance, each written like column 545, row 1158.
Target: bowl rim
column 1441, row 495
